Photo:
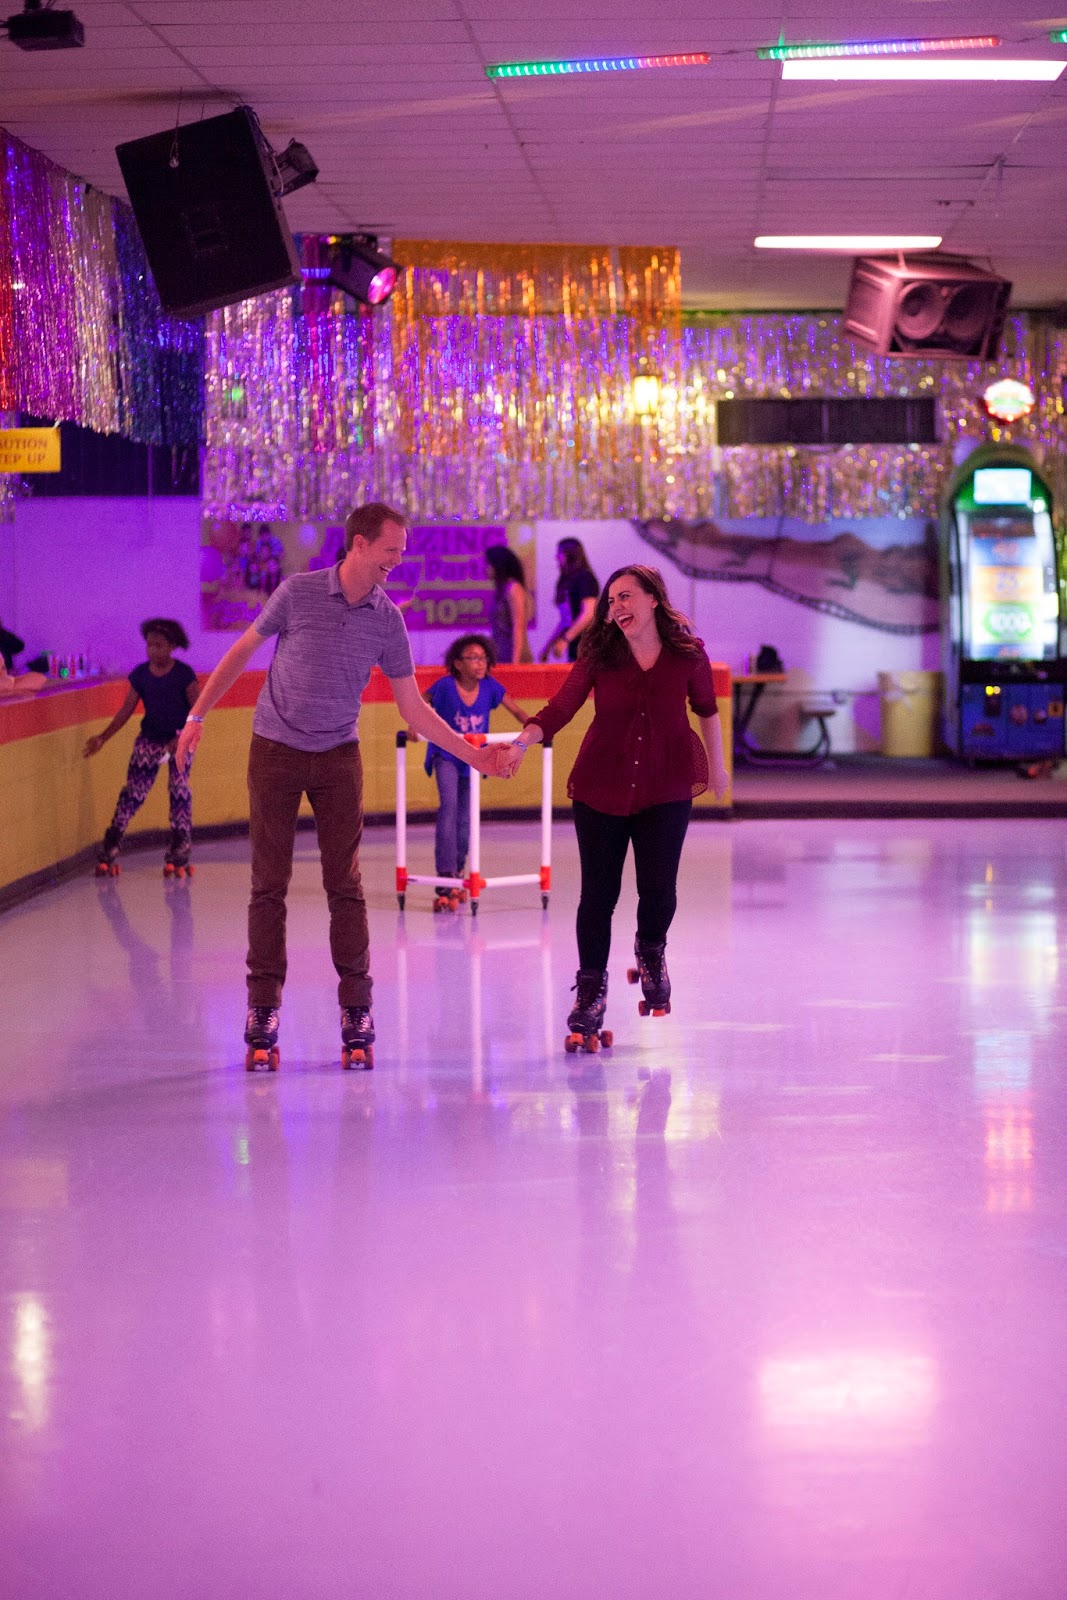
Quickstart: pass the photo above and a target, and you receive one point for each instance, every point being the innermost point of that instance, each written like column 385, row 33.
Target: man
column 333, row 627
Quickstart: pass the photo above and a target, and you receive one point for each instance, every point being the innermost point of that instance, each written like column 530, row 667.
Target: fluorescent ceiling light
column 854, row 243
column 925, row 69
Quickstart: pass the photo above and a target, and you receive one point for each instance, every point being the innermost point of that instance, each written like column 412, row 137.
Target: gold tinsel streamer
column 499, row 384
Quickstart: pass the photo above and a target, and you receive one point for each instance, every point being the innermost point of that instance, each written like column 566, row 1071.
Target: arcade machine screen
column 1011, row 606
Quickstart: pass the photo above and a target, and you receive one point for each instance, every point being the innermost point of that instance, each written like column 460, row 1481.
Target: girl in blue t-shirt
column 464, row 698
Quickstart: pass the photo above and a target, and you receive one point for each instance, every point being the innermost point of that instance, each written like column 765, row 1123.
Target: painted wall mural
column 881, row 573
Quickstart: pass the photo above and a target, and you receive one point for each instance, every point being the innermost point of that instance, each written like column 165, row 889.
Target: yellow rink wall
column 55, row 805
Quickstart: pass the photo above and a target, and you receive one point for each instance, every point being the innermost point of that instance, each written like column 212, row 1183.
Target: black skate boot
column 176, row 863
column 587, row 1014
column 107, row 856
column 261, row 1037
column 357, row 1038
column 651, row 973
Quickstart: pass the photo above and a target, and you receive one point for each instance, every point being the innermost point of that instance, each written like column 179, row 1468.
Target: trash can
column 910, row 704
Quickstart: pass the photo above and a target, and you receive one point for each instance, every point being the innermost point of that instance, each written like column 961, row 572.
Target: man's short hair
column 368, row 521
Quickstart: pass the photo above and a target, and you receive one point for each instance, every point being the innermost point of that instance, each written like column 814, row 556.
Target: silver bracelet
column 192, row 717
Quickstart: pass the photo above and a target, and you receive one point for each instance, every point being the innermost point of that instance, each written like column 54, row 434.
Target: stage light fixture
column 553, row 69
column 38, row 27
column 295, row 166
column 873, row 47
column 358, row 268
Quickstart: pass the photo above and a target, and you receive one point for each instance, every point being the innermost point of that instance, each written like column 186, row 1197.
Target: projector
column 37, row 29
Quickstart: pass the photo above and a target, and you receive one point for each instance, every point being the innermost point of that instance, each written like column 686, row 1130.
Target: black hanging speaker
column 205, row 203
column 926, row 306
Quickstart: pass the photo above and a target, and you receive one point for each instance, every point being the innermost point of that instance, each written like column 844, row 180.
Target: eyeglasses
column 478, row 655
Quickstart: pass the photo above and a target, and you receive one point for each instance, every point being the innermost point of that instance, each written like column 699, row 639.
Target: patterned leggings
column 145, row 762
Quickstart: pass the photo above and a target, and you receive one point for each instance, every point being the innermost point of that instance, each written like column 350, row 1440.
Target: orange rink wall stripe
column 68, row 705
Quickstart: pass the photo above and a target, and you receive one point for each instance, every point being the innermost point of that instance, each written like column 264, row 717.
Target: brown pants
column 278, row 776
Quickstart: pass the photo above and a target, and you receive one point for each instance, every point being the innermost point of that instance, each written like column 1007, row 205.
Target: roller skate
column 651, row 973
column 176, row 863
column 107, row 856
column 357, row 1038
column 587, row 1014
column 446, row 899
column 261, row 1037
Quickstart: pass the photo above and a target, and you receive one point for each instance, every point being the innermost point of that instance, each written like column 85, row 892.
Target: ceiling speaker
column 926, row 306
column 204, row 196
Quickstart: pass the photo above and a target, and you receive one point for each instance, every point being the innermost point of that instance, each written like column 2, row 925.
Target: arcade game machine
column 1003, row 631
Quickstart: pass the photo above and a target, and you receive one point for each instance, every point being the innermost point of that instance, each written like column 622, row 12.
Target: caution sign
column 29, row 450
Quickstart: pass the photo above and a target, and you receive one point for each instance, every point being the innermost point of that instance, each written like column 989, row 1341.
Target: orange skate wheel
column 359, row 1060
column 607, row 1039
column 591, row 1044
column 170, row 870
column 632, row 975
column 643, row 1008
column 571, row 1043
column 275, row 1058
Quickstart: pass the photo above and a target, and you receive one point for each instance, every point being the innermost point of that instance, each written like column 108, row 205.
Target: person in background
column 464, row 699
column 167, row 689
column 10, row 646
column 511, row 605
column 637, row 773
column 576, row 596
column 25, row 683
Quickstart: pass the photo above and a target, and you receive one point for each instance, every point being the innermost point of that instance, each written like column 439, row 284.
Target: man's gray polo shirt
column 323, row 659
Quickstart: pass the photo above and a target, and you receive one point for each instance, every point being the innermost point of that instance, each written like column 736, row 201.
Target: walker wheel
column 632, row 975
column 607, row 1039
column 360, row 1059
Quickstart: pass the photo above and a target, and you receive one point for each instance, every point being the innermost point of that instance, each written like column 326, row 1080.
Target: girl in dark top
column 576, row 594
column 511, row 605
column 639, row 768
column 465, row 698
column 167, row 689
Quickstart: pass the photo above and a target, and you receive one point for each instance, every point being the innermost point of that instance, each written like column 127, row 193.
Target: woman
column 638, row 770
column 576, row 596
column 511, row 605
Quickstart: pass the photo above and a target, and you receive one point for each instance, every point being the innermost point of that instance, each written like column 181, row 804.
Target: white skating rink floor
column 770, row 1303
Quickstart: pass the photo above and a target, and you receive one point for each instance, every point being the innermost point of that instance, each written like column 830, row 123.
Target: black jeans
column 657, row 835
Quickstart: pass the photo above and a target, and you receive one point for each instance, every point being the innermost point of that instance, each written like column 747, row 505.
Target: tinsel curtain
column 82, row 336
column 498, row 384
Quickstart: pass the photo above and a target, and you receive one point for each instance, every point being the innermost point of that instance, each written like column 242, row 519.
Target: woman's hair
column 507, row 568
column 458, row 646
column 604, row 644
column 172, row 631
column 574, row 560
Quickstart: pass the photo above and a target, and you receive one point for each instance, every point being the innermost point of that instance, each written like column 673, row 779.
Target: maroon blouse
column 641, row 749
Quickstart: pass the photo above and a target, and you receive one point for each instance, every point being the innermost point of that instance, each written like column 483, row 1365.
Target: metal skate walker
column 473, row 884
